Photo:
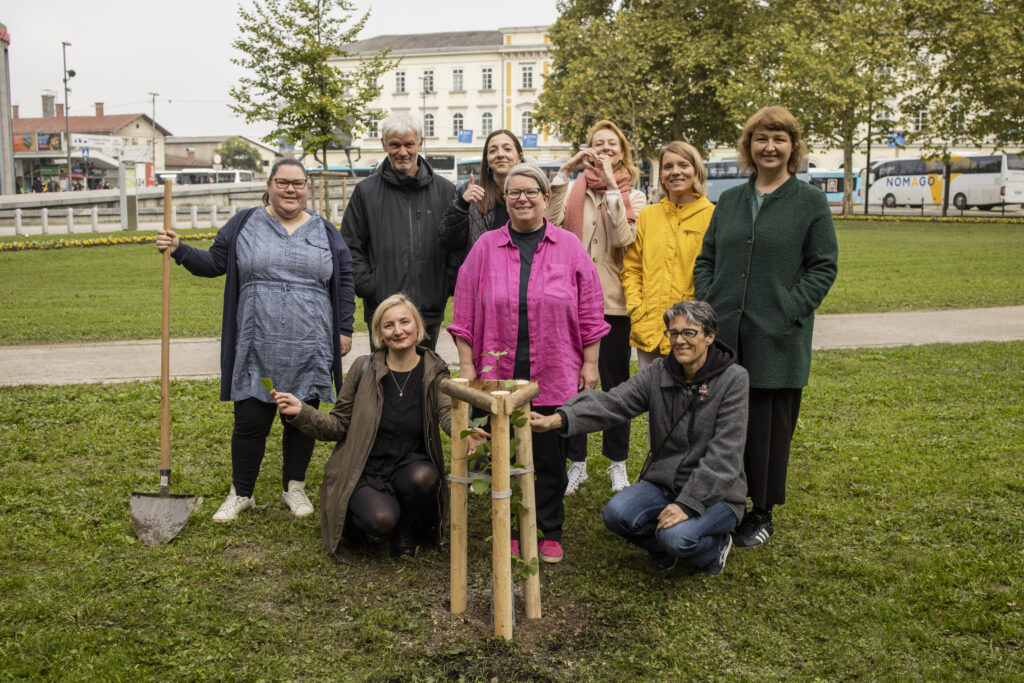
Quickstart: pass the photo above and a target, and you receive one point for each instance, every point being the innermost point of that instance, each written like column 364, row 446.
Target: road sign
column 529, row 139
column 465, row 136
column 85, row 152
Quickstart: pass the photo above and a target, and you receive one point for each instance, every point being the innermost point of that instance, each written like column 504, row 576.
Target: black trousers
column 430, row 333
column 550, row 480
column 613, row 367
column 770, row 425
column 253, row 420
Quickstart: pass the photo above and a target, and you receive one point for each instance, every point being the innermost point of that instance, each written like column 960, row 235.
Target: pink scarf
column 573, row 220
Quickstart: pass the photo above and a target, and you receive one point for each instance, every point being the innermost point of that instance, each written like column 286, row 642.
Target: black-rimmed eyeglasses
column 688, row 333
column 530, row 192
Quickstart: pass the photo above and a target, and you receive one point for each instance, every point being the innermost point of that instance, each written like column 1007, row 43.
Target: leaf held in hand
column 267, row 383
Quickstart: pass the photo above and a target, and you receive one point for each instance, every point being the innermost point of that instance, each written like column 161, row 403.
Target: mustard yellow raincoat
column 657, row 269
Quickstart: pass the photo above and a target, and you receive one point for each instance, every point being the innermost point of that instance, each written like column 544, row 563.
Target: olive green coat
column 353, row 424
column 765, row 278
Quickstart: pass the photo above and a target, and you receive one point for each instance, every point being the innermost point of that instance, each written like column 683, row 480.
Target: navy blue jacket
column 220, row 260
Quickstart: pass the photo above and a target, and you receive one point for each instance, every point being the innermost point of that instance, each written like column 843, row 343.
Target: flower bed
column 31, row 245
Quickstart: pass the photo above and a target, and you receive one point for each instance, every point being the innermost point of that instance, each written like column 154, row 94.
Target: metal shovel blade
column 157, row 518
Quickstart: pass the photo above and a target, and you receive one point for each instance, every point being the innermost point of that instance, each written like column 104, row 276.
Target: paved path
column 200, row 358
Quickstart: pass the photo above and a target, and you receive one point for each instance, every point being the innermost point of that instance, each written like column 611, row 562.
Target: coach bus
column 443, row 165
column 204, row 176
column 979, row 180
column 832, row 184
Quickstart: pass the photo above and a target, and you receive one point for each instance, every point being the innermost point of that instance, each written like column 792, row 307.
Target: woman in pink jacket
column 531, row 289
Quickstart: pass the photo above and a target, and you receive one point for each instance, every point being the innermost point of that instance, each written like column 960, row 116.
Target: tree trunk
column 848, row 176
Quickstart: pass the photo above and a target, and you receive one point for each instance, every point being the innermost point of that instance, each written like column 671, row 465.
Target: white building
column 476, row 81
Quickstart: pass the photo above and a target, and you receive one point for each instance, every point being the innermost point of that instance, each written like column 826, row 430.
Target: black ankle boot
column 403, row 541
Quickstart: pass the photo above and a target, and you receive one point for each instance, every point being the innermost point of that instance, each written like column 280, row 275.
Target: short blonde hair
column 627, row 157
column 772, row 118
column 386, row 305
column 690, row 153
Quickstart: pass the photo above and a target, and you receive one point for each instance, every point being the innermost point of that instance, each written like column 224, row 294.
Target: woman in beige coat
column 600, row 207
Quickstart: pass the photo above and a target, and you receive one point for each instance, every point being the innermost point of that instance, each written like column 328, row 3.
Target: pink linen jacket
column 565, row 309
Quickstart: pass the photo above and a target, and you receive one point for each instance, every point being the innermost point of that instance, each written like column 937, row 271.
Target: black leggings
column 377, row 514
column 253, row 420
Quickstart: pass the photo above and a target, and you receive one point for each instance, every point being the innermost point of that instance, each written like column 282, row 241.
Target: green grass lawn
column 898, row 555
column 111, row 293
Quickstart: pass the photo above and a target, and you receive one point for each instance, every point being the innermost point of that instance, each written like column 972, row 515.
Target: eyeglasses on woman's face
column 283, row 183
column 686, row 333
column 530, row 192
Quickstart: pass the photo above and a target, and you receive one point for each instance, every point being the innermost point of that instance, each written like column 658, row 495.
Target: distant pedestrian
column 769, row 258
column 391, row 225
column 288, row 313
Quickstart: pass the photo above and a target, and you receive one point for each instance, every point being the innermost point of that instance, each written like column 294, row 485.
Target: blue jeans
column 633, row 514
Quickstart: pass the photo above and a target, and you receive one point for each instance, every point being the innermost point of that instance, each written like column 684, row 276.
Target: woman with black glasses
column 288, row 311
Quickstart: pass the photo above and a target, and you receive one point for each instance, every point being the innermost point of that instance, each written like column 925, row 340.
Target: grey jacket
column 698, row 430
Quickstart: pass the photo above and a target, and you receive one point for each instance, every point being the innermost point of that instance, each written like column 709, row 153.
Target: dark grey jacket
column 391, row 227
column 698, row 430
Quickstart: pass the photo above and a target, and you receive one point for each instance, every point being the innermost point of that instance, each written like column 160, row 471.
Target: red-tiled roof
column 80, row 124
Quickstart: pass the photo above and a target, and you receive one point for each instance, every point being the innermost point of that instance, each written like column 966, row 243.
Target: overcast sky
column 124, row 50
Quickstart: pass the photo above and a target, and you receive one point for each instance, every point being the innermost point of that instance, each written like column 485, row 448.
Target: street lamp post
column 152, row 137
column 67, row 114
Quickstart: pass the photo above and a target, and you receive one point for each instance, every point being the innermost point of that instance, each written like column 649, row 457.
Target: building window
column 487, row 78
column 428, row 80
column 920, row 121
column 527, row 74
column 399, row 81
column 457, row 79
column 373, row 127
column 527, row 122
column 428, row 125
column 457, row 124
column 486, row 123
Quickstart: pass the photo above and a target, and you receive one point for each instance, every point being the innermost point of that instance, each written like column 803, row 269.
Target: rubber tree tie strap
column 473, row 476
column 520, row 470
column 502, row 494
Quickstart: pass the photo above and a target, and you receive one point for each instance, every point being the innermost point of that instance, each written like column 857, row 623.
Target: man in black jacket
column 391, row 228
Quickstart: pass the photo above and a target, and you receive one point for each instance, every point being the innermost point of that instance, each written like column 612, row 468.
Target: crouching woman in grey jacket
column 691, row 491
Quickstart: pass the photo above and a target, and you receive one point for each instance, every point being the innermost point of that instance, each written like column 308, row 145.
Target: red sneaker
column 550, row 551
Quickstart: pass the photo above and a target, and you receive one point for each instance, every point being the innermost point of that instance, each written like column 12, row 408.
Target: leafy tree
column 285, row 45
column 236, row 153
column 839, row 66
column 975, row 94
column 655, row 67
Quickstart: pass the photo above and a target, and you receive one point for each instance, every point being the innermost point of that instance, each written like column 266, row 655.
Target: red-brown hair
column 772, row 118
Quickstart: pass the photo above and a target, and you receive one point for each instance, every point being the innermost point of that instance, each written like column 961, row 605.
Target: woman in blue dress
column 288, row 312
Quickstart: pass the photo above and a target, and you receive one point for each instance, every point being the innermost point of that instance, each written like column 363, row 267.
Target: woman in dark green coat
column 768, row 260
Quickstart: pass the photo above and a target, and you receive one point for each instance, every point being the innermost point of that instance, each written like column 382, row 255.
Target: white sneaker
column 620, row 480
column 296, row 499
column 232, row 506
column 577, row 475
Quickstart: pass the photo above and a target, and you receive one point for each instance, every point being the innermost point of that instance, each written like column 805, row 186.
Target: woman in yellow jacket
column 657, row 269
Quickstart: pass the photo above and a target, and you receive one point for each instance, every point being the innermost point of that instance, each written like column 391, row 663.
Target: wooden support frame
column 496, row 398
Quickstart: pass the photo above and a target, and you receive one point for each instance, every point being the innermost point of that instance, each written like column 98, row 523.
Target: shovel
column 158, row 517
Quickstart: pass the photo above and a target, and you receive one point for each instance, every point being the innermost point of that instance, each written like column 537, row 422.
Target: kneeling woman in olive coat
column 384, row 478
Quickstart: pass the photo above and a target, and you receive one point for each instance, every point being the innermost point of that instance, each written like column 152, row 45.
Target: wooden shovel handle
column 165, row 346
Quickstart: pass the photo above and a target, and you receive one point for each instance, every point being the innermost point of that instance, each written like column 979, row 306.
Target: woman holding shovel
column 288, row 311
